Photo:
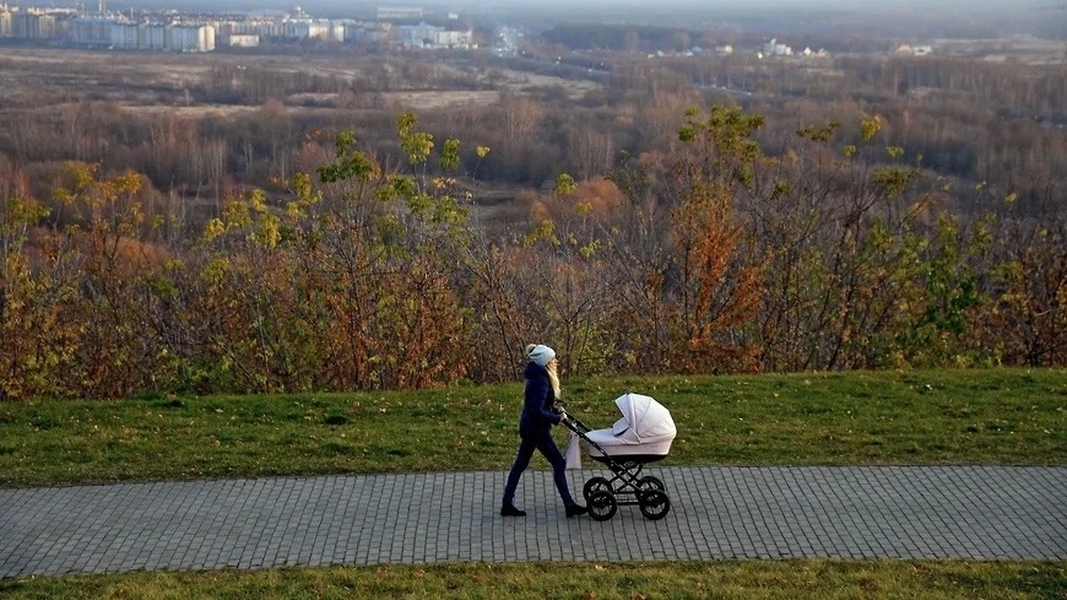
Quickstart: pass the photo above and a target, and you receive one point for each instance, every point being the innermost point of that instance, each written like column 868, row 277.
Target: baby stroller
column 643, row 435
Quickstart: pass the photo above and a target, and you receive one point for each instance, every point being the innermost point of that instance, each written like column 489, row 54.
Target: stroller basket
column 643, row 435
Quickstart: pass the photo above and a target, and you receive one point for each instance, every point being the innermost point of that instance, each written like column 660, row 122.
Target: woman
column 539, row 414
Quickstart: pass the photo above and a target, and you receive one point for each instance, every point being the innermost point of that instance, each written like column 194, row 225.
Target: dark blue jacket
column 538, row 415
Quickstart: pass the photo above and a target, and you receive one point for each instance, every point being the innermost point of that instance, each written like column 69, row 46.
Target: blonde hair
column 553, row 377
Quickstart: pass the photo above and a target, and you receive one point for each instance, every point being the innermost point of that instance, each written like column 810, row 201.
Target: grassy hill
column 996, row 416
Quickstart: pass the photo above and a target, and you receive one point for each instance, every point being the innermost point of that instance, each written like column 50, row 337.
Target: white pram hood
column 643, row 420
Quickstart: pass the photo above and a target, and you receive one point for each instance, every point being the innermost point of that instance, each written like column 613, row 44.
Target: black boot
column 509, row 510
column 574, row 510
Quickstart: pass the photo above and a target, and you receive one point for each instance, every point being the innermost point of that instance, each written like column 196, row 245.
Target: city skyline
column 962, row 7
column 897, row 19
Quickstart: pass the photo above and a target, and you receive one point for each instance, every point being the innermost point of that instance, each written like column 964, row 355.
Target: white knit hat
column 540, row 354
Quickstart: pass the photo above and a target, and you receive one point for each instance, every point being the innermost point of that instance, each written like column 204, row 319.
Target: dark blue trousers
column 547, row 446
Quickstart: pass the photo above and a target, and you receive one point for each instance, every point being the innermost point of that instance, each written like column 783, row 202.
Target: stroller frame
column 604, row 496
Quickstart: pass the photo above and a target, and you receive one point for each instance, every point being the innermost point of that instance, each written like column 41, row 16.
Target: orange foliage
column 598, row 197
column 130, row 256
column 536, row 206
column 602, row 196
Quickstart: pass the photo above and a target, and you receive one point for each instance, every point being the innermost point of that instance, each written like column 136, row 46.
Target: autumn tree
column 1026, row 322
column 29, row 304
column 349, row 284
column 716, row 289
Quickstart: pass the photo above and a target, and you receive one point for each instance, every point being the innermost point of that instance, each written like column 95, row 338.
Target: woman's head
column 540, row 354
column 546, row 357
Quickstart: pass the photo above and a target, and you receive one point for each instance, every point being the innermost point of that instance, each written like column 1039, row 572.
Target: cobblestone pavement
column 969, row 512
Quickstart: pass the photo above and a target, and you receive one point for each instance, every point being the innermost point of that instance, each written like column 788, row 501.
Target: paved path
column 717, row 513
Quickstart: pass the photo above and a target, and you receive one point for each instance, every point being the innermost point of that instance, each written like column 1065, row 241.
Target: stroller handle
column 574, row 423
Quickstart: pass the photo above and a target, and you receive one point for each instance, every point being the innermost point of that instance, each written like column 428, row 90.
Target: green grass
column 997, row 416
column 793, row 580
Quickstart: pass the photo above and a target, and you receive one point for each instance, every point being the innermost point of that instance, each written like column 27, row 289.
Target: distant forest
column 681, row 214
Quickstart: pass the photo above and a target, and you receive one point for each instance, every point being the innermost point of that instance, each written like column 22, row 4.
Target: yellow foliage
column 213, row 229
column 870, row 127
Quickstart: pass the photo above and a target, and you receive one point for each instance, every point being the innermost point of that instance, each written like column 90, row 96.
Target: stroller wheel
column 602, row 505
column 654, row 504
column 649, row 483
column 594, row 485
